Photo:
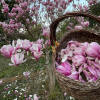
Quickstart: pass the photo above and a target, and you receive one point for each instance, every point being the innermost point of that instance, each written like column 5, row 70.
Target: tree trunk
column 49, row 61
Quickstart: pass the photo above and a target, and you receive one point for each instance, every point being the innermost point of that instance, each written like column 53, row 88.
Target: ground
column 16, row 87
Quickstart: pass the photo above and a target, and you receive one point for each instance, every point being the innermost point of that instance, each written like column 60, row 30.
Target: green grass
column 34, row 84
column 10, row 71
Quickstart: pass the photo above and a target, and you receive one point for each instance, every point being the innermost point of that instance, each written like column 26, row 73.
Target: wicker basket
column 79, row 90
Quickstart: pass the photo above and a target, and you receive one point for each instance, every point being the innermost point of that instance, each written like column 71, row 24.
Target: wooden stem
column 50, row 72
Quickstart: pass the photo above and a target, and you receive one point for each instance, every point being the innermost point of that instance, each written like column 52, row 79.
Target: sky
column 70, row 7
column 82, row 2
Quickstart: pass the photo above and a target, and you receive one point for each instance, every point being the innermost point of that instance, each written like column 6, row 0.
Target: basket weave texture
column 77, row 89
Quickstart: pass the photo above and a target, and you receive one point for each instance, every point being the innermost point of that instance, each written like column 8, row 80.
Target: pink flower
column 47, row 43
column 26, row 74
column 85, row 24
column 92, row 71
column 7, row 50
column 84, row 45
column 65, row 94
column 24, row 4
column 78, row 60
column 36, row 47
column 35, row 97
column 93, row 79
column 78, row 27
column 19, row 44
column 86, row 8
column 73, row 44
column 66, row 54
column 26, row 44
column 64, row 68
column 17, row 59
column 95, row 45
column 74, row 75
column 91, row 74
column 28, row 21
column 69, row 28
column 93, row 50
column 37, row 54
column 12, row 21
column 98, row 72
column 40, row 41
column 5, row 8
column 80, row 7
column 46, row 32
column 91, row 2
column 79, row 51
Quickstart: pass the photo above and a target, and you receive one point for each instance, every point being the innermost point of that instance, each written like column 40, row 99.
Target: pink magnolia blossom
column 65, row 94
column 80, row 7
column 91, row 75
column 37, row 54
column 65, row 55
column 86, row 8
column 69, row 28
column 5, row 8
column 35, row 97
column 64, row 68
column 91, row 2
column 36, row 47
column 17, row 59
column 26, row 74
column 79, row 51
column 46, row 32
column 84, row 45
column 93, row 50
column 95, row 45
column 7, row 50
column 26, row 44
column 40, row 41
column 28, row 21
column 73, row 44
column 93, row 79
column 78, row 60
column 24, row 4
column 74, row 75
column 85, row 24
column 97, row 72
column 47, row 43
column 19, row 44
column 78, row 27
column 92, row 71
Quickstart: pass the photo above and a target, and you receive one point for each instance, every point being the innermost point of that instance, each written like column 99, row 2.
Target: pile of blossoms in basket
column 80, row 61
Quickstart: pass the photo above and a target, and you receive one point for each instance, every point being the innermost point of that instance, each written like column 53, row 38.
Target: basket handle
column 54, row 24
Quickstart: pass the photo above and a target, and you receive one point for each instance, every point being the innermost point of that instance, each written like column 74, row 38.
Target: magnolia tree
column 27, row 13
column 22, row 15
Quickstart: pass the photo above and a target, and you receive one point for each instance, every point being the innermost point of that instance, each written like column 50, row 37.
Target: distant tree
column 3, row 18
column 94, row 9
